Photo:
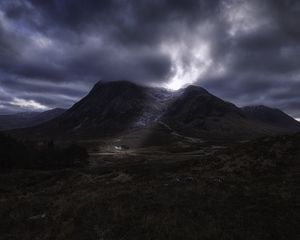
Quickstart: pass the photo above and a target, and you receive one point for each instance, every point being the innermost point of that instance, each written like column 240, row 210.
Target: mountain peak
column 102, row 83
column 114, row 87
column 127, row 83
column 195, row 89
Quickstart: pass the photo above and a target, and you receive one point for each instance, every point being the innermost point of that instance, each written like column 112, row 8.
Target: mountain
column 197, row 110
column 110, row 108
column 196, row 113
column 27, row 119
column 122, row 108
column 271, row 116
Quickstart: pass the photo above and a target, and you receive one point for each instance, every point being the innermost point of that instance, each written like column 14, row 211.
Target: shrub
column 17, row 154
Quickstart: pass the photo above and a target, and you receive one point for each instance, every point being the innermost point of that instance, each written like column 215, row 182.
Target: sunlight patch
column 28, row 104
column 189, row 62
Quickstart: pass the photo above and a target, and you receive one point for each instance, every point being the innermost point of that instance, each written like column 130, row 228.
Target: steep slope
column 271, row 116
column 110, row 108
column 195, row 104
column 28, row 119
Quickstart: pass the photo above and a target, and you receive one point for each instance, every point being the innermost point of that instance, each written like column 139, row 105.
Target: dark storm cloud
column 52, row 52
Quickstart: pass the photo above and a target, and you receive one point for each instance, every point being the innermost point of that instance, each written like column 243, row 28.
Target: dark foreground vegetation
column 248, row 191
column 16, row 154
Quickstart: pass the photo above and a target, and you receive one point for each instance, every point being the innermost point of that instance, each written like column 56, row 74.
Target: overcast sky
column 52, row 52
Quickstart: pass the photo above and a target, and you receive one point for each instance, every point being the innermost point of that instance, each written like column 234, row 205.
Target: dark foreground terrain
column 247, row 191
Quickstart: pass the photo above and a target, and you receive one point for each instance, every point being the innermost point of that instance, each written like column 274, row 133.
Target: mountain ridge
column 120, row 107
column 272, row 116
column 28, row 119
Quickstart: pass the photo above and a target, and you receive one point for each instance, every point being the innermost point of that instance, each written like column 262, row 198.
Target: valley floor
column 246, row 192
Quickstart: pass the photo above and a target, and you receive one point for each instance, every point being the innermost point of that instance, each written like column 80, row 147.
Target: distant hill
column 271, row 116
column 27, row 119
column 124, row 108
